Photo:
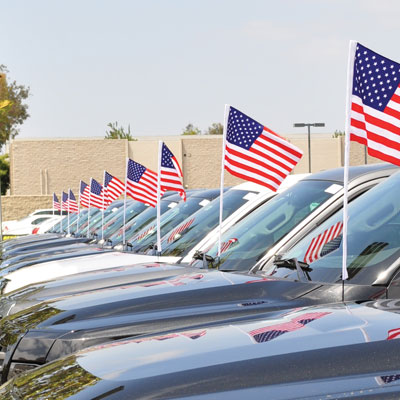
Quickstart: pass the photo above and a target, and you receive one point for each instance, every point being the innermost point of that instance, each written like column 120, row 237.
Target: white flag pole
column 221, row 196
column 160, row 143
column 68, row 231
column 123, row 226
column 79, row 208
column 102, row 210
column 61, row 211
column 350, row 68
column 88, row 217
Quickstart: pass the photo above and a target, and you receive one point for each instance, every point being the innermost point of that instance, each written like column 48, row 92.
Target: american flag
column 255, row 153
column 64, row 201
column 225, row 246
column 96, row 195
column 170, row 173
column 84, row 194
column 375, row 104
column 270, row 332
column 316, row 248
column 73, row 205
column 180, row 229
column 113, row 188
column 141, row 183
column 56, row 203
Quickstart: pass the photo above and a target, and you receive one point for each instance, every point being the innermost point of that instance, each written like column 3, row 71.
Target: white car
column 27, row 225
column 253, row 196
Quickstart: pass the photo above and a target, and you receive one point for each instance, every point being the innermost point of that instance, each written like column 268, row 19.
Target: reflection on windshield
column 144, row 239
column 195, row 227
column 373, row 239
column 138, row 222
column 247, row 241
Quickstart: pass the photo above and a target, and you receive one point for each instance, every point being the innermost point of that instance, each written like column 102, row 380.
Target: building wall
column 16, row 207
column 40, row 167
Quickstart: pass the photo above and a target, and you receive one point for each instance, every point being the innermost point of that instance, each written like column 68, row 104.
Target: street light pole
column 308, row 125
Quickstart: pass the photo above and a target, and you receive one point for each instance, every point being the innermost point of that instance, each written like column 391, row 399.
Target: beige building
column 39, row 167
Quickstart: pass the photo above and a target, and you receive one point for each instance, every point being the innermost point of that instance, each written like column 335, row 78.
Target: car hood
column 185, row 298
column 17, row 278
column 43, row 244
column 301, row 352
column 8, row 244
column 44, row 254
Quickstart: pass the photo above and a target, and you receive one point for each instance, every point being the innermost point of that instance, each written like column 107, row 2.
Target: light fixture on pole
column 302, row 125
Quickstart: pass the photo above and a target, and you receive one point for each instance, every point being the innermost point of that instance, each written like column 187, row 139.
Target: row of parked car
column 90, row 316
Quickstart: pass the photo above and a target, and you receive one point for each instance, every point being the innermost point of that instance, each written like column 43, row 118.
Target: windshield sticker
column 313, row 206
column 204, row 202
column 172, row 205
column 333, row 188
column 142, row 235
column 225, row 246
column 324, row 243
column 177, row 231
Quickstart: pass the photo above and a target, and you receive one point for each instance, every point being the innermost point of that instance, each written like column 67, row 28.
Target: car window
column 373, row 239
column 247, row 241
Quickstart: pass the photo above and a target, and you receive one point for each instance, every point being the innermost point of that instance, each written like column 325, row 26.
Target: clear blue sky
column 158, row 65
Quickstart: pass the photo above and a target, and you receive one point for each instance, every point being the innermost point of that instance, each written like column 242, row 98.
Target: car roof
column 336, row 174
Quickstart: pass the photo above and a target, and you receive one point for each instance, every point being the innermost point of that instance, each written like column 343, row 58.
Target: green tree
column 116, row 132
column 4, row 173
column 13, row 110
column 337, row 134
column 191, row 130
column 215, row 129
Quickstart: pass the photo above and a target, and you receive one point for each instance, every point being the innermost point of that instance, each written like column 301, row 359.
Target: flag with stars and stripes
column 324, row 243
column 375, row 104
column 56, row 203
column 270, row 332
column 113, row 188
column 96, row 195
column 255, row 153
column 64, row 201
column 170, row 172
column 72, row 204
column 84, row 194
column 141, row 183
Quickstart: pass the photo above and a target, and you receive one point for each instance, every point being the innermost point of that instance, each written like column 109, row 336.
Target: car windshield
column 247, row 241
column 373, row 239
column 181, row 240
column 144, row 239
column 82, row 223
column 141, row 220
column 116, row 219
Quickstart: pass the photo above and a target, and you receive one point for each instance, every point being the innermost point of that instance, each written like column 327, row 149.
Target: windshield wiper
column 208, row 261
column 301, row 267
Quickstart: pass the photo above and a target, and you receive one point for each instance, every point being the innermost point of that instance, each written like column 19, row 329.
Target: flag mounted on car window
column 375, row 103
column 96, row 195
column 64, row 201
column 141, row 183
column 170, row 172
column 255, row 153
column 113, row 188
column 84, row 194
column 72, row 204
column 56, row 203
